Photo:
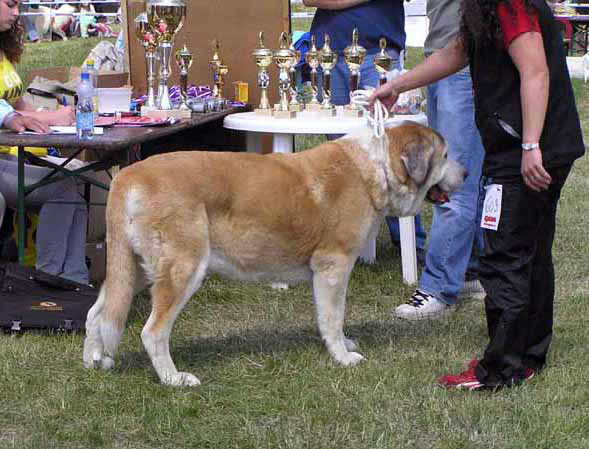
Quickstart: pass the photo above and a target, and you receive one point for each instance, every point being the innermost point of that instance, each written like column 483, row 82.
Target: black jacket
column 498, row 111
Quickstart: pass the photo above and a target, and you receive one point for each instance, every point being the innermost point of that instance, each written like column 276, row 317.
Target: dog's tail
column 106, row 319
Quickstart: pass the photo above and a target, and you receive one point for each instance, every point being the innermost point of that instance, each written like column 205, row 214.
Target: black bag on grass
column 32, row 299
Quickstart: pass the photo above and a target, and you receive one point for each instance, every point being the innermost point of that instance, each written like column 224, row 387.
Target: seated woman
column 61, row 235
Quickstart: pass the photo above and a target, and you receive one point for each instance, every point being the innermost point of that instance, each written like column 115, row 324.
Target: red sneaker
column 529, row 373
column 473, row 363
column 466, row 379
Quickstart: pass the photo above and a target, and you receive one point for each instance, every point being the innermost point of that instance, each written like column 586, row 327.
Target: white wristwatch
column 530, row 146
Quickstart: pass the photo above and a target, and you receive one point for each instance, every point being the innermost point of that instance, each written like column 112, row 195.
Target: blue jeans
column 61, row 235
column 455, row 235
column 340, row 94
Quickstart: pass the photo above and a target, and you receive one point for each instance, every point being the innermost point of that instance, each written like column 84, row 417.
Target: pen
column 64, row 101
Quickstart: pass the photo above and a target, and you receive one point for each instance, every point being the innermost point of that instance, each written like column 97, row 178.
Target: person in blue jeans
column 456, row 238
column 373, row 19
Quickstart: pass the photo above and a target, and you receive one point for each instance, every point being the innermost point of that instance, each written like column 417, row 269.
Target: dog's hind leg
column 179, row 274
column 106, row 319
column 330, row 282
column 104, row 330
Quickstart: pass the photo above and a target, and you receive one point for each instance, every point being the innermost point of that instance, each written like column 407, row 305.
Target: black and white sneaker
column 422, row 306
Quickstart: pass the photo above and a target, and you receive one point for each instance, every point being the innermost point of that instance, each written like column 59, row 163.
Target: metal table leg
column 20, row 205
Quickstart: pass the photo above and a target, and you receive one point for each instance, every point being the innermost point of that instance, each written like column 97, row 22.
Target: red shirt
column 516, row 20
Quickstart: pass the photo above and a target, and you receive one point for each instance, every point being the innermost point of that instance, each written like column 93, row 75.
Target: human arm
column 11, row 119
column 333, row 4
column 527, row 53
column 440, row 64
column 5, row 110
column 61, row 116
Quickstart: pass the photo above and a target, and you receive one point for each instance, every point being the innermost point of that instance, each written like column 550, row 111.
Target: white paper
column 67, row 130
column 492, row 207
column 72, row 130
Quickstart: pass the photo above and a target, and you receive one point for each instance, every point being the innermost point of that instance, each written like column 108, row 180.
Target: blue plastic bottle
column 85, row 108
column 94, row 80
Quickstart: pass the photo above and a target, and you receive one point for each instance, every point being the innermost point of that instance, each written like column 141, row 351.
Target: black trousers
column 517, row 273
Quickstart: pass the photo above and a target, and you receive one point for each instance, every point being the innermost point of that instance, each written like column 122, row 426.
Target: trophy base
column 313, row 107
column 283, row 114
column 165, row 114
column 297, row 107
column 327, row 112
column 267, row 112
column 352, row 113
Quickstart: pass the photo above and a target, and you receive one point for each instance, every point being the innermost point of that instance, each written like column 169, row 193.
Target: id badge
column 492, row 207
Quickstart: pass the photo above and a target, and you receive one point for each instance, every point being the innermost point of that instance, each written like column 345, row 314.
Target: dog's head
column 419, row 161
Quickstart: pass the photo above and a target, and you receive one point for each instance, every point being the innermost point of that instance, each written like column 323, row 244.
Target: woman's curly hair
column 12, row 42
column 480, row 25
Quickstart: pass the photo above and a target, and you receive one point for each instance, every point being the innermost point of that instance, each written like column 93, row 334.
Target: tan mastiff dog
column 173, row 218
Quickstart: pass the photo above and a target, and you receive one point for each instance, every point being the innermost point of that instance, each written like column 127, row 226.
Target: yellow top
column 11, row 86
column 11, row 89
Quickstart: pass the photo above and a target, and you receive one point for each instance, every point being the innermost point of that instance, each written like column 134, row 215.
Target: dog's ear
column 416, row 158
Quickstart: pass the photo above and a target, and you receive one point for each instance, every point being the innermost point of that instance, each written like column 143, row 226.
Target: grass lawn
column 268, row 382
column 56, row 54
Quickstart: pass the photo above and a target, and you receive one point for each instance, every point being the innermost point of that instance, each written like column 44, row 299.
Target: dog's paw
column 97, row 359
column 351, row 345
column 100, row 360
column 181, row 380
column 107, row 363
column 350, row 359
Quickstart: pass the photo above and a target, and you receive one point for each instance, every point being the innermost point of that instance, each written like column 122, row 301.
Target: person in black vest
column 526, row 114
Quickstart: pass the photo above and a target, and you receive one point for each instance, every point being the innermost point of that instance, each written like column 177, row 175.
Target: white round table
column 283, row 131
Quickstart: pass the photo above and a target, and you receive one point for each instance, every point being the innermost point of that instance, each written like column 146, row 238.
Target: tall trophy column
column 312, row 59
column 294, row 104
column 146, row 37
column 219, row 70
column 383, row 62
column 184, row 62
column 165, row 19
column 354, row 56
column 284, row 59
column 328, row 60
column 263, row 58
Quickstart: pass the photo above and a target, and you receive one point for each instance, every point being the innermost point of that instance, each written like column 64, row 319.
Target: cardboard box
column 105, row 78
column 96, row 255
column 50, row 73
column 113, row 79
column 96, row 213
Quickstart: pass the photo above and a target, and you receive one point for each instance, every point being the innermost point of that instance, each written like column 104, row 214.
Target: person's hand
column 64, row 115
column 387, row 94
column 533, row 172
column 20, row 123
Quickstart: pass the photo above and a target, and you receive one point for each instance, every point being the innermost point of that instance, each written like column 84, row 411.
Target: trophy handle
column 382, row 43
column 355, row 37
column 261, row 39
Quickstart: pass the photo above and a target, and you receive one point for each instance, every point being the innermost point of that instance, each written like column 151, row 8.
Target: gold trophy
column 312, row 58
column 184, row 62
column 284, row 59
column 294, row 104
column 219, row 70
column 383, row 62
column 165, row 18
column 263, row 58
column 327, row 61
column 146, row 38
column 354, row 56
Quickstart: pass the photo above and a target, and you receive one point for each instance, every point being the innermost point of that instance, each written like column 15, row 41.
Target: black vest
column 498, row 111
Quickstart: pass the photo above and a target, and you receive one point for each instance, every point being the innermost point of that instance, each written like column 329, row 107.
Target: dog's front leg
column 330, row 284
